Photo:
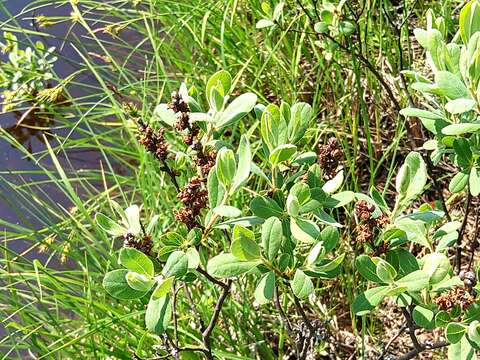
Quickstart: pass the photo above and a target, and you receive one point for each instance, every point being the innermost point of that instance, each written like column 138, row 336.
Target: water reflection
column 29, row 126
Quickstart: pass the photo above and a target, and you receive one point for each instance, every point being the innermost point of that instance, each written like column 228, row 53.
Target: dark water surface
column 12, row 160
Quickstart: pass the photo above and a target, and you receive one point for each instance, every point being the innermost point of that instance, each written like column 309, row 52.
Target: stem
column 188, row 295
column 458, row 255
column 437, row 187
column 423, row 347
column 390, row 342
column 284, row 318
column 171, row 174
column 211, row 278
column 213, row 320
column 174, row 314
column 474, row 244
column 411, row 330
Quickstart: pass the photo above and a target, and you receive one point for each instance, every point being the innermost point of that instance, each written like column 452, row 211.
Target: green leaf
column 139, row 282
column 472, row 312
column 264, row 23
column 369, row 299
column 455, row 331
column 450, row 85
column 414, row 230
column 193, row 258
column 460, row 106
column 226, row 166
column 321, row 27
column 216, row 191
column 265, row 289
column 436, row 266
column 460, row 129
column 242, row 221
column 442, row 319
column 339, row 199
column 158, row 314
column 385, row 271
column 411, row 178
column 244, row 161
column 316, row 253
column 462, row 350
column 367, row 268
column 244, row 248
column 329, row 237
column 293, row 205
column 474, row 332
column 463, row 152
column 227, row 211
column 177, row 265
column 132, row 214
column 407, row 263
column 414, row 112
column 423, row 317
column 228, row 265
column 282, row 153
column 163, row 287
column 415, row 281
column 328, row 265
column 265, row 207
column 334, row 184
column 301, row 284
column 469, row 20
column 304, row 230
column 115, row 283
column 301, row 191
column 458, row 182
column 272, row 127
column 301, row 114
column 109, row 226
column 222, row 81
column 474, row 181
column 135, row 260
column 237, row 109
column 164, row 114
column 277, row 11
column 272, row 235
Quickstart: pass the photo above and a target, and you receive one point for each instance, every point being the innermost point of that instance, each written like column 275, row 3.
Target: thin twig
column 165, row 168
column 188, row 295
column 390, row 342
column 423, row 347
column 174, row 314
column 284, row 318
column 213, row 320
column 458, row 255
column 437, row 187
column 211, row 278
column 300, row 309
column 474, row 244
column 359, row 56
column 411, row 329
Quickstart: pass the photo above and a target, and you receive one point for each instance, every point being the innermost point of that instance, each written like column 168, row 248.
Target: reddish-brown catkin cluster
column 181, row 108
column 329, row 157
column 455, row 296
column 205, row 160
column 365, row 230
column 194, row 197
column 153, row 141
column 144, row 244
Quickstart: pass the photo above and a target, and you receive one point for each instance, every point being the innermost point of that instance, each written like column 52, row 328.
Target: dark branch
column 423, row 347
column 458, row 255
